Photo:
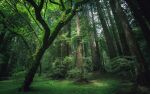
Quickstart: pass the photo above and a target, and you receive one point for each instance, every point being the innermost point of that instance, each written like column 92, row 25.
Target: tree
column 49, row 35
column 142, row 76
column 108, row 37
column 113, row 29
column 123, row 40
column 79, row 56
column 96, row 57
column 12, row 40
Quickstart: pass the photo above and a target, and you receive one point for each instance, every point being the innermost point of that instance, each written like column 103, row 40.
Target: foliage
column 60, row 68
column 25, row 32
column 62, row 87
column 88, row 65
column 125, row 67
column 74, row 73
column 80, row 73
column 15, row 38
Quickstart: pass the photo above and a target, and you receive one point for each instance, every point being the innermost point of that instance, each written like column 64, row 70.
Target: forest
column 74, row 46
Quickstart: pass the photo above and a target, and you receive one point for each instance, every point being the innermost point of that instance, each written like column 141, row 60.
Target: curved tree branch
column 69, row 16
column 62, row 4
column 53, row 2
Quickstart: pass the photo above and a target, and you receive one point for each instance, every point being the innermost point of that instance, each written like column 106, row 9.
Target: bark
column 30, row 75
column 79, row 56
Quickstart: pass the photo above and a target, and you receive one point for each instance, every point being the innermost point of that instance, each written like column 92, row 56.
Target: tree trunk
column 79, row 56
column 124, row 44
column 133, row 46
column 113, row 29
column 48, row 38
column 29, row 77
column 110, row 45
column 79, row 53
column 96, row 57
column 66, row 49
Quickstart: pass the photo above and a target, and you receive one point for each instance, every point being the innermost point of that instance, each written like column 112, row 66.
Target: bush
column 88, row 65
column 74, row 73
column 66, row 69
column 77, row 73
column 59, row 68
column 123, row 66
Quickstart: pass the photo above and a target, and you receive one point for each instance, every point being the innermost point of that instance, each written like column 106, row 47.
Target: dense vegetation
column 74, row 46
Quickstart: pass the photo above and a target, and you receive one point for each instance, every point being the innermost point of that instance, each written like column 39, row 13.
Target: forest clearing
column 74, row 47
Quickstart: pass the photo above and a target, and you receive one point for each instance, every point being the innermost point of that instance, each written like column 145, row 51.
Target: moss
column 45, row 86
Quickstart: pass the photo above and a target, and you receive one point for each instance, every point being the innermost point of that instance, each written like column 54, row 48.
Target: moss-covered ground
column 45, row 86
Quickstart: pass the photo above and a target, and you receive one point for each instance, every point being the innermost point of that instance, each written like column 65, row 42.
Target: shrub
column 74, row 73
column 59, row 68
column 88, row 65
column 123, row 66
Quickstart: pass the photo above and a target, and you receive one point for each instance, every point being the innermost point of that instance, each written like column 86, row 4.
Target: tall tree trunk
column 114, row 30
column 124, row 44
column 110, row 45
column 68, row 48
column 79, row 56
column 65, row 43
column 133, row 46
column 96, row 57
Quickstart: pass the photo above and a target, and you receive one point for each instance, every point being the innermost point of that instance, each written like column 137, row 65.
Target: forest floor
column 100, row 86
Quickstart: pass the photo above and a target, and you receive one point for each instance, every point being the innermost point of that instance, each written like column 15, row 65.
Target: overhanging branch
column 33, row 3
column 53, row 2
column 69, row 16
column 41, row 5
column 62, row 4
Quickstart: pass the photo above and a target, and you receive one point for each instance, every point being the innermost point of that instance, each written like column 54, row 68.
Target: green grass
column 104, row 86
